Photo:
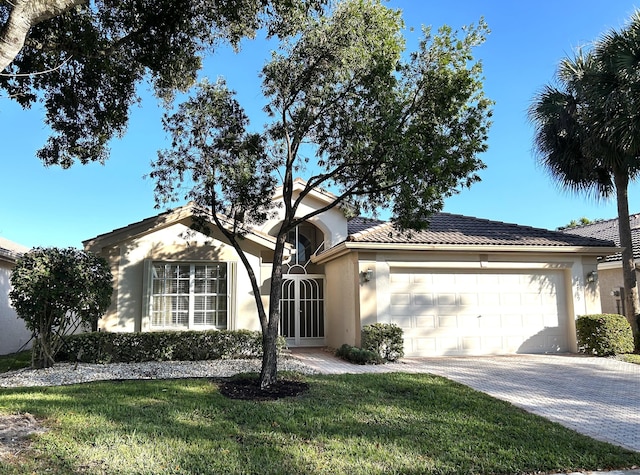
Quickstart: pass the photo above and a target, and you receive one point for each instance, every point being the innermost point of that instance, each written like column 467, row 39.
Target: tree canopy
column 349, row 110
column 55, row 291
column 588, row 134
column 85, row 59
column 575, row 223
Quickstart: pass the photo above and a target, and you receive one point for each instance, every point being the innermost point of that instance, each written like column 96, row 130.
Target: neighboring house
column 466, row 286
column 610, row 267
column 13, row 333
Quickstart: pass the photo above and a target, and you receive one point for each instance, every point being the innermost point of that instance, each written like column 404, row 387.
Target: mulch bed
column 249, row 389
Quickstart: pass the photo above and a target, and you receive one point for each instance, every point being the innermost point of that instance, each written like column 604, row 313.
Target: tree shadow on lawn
column 348, row 423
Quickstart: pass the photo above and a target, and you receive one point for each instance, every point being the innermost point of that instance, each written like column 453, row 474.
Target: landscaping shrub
column 106, row 347
column 604, row 334
column 358, row 355
column 384, row 339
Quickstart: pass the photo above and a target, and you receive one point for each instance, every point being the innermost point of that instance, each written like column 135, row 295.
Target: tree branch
column 24, row 15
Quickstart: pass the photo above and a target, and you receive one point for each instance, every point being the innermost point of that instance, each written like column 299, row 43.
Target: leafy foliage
column 97, row 54
column 358, row 355
column 105, row 347
column 57, row 291
column 575, row 223
column 348, row 111
column 588, row 134
column 384, row 339
column 604, row 335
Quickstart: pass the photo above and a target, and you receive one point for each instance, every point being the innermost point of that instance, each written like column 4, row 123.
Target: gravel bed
column 70, row 373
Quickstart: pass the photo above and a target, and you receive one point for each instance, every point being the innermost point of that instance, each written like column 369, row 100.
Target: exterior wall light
column 592, row 277
column 367, row 275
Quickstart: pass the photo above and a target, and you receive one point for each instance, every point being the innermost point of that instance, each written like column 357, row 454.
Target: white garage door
column 471, row 313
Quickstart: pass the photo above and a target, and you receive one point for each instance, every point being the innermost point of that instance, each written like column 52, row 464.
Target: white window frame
column 147, row 323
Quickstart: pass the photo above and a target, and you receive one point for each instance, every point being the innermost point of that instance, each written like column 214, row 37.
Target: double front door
column 302, row 310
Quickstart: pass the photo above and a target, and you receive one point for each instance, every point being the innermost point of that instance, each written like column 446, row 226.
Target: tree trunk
column 269, row 373
column 632, row 303
column 24, row 15
column 41, row 354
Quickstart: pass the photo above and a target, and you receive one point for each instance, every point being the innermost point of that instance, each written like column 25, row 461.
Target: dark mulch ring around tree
column 247, row 387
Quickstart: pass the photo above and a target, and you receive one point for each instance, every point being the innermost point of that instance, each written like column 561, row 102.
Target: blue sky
column 54, row 207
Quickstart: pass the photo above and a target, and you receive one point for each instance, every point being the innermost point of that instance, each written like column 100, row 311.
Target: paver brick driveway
column 599, row 397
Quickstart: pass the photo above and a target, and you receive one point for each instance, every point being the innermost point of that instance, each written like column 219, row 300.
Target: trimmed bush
column 604, row 334
column 106, row 347
column 384, row 339
column 357, row 355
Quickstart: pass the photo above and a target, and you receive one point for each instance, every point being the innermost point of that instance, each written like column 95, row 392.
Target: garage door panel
column 510, row 299
column 446, row 300
column 403, row 321
column 489, row 321
column 479, row 312
column 488, row 299
column 400, row 299
column 469, row 300
column 425, row 321
column 423, row 300
column 471, row 344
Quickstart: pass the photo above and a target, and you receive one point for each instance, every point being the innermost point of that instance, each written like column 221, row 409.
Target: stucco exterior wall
column 13, row 333
column 610, row 280
column 332, row 223
column 175, row 243
column 342, row 306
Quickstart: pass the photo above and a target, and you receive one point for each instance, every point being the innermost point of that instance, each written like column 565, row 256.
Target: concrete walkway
column 598, row 397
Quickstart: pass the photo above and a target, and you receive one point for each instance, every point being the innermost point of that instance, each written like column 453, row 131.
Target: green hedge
column 384, row 339
column 604, row 334
column 106, row 347
column 358, row 355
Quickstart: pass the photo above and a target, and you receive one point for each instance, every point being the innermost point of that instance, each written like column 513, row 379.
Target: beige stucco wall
column 13, row 333
column 175, row 243
column 342, row 306
column 332, row 223
column 610, row 279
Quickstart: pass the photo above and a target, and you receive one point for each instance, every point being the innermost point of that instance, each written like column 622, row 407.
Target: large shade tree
column 85, row 60
column 587, row 132
column 351, row 112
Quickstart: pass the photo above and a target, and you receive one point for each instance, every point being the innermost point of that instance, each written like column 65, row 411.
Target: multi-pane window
column 189, row 295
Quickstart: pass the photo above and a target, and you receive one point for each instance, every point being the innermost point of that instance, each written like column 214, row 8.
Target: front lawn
column 357, row 424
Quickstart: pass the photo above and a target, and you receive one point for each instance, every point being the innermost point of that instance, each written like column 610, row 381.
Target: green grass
column 629, row 358
column 357, row 424
column 15, row 361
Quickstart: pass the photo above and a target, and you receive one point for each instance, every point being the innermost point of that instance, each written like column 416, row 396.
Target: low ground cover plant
column 381, row 342
column 356, row 424
column 134, row 347
column 604, row 334
column 358, row 355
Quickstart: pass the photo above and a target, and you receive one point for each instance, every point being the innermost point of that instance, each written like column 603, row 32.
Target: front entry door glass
column 302, row 310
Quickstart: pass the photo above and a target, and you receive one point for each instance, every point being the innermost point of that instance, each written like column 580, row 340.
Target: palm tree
column 588, row 132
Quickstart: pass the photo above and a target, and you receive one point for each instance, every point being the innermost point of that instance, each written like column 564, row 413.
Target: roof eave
column 348, row 246
column 158, row 222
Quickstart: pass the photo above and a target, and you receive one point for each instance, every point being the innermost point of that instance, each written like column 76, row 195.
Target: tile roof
column 609, row 230
column 10, row 251
column 452, row 229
